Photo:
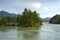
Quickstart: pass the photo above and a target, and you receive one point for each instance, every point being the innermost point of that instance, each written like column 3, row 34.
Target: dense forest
column 55, row 19
column 26, row 19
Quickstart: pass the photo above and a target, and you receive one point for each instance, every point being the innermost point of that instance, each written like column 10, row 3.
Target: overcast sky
column 46, row 8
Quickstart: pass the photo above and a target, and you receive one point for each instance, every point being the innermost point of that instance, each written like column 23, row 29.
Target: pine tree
column 29, row 19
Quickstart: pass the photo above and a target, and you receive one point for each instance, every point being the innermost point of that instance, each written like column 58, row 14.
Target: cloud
column 56, row 13
column 20, row 4
column 30, row 5
column 44, row 7
column 36, row 5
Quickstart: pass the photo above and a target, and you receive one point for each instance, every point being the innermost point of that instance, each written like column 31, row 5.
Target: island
column 27, row 18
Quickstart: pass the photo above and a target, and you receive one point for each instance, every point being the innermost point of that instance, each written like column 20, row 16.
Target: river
column 45, row 32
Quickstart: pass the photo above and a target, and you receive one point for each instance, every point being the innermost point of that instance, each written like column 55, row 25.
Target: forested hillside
column 55, row 19
column 4, row 14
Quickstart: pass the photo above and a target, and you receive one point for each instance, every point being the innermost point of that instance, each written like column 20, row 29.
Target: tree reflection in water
column 28, row 34
column 5, row 28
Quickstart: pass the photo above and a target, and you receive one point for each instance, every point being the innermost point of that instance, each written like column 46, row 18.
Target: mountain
column 55, row 19
column 4, row 14
column 47, row 18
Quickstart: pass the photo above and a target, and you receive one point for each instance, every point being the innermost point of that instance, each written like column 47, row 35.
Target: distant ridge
column 4, row 14
column 47, row 18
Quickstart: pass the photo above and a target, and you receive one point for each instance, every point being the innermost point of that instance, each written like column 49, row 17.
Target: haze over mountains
column 46, row 19
column 4, row 14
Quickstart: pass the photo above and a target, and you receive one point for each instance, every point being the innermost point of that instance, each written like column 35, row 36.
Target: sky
column 46, row 8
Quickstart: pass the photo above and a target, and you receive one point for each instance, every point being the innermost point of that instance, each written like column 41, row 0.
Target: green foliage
column 29, row 19
column 26, row 19
column 5, row 20
column 55, row 19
